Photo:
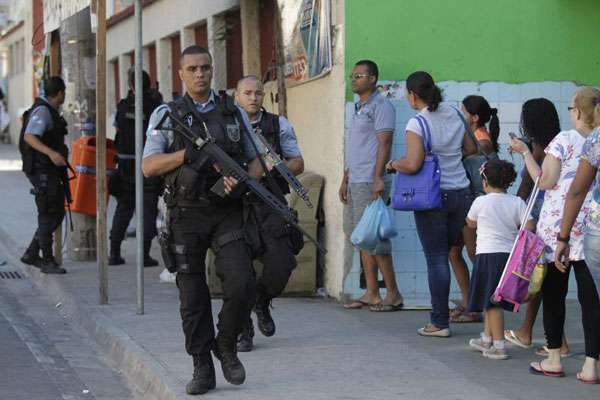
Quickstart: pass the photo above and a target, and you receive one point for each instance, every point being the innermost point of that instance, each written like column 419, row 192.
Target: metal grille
column 10, row 275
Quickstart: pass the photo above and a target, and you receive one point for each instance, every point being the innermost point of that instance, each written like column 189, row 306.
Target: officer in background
column 198, row 219
column 278, row 248
column 44, row 153
column 122, row 186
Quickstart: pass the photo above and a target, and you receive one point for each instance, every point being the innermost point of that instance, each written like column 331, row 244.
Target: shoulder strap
column 470, row 132
column 426, row 133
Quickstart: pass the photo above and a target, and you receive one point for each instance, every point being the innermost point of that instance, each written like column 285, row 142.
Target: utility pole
column 101, row 244
column 139, row 144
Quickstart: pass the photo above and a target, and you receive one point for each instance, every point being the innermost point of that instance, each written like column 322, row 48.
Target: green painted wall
column 511, row 41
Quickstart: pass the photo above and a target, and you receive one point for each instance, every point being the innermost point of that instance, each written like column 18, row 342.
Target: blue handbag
column 420, row 191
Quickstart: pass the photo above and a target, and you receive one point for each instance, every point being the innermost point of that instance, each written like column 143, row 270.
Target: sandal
column 541, row 371
column 358, row 304
column 595, row 381
column 543, row 352
column 460, row 315
column 386, row 307
column 512, row 337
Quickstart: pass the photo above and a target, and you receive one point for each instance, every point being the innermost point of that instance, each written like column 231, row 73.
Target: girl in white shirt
column 496, row 216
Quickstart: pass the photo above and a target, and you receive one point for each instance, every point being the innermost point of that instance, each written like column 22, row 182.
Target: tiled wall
column 409, row 261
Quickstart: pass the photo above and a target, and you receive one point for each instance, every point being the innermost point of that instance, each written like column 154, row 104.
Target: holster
column 166, row 251
column 166, row 245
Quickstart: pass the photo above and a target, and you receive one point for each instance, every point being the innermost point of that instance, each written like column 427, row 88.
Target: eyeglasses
column 358, row 76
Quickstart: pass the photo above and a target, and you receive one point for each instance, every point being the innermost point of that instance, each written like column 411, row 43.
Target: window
column 175, row 55
column 233, row 39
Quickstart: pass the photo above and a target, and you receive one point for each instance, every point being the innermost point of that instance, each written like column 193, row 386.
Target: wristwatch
column 562, row 239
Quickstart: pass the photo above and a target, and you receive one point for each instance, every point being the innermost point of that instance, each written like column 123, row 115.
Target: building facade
column 507, row 51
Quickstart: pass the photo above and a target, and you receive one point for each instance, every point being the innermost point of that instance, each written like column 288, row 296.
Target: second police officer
column 197, row 218
column 122, row 186
column 280, row 243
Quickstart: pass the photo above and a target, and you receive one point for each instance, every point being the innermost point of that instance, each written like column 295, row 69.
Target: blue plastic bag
column 366, row 233
column 387, row 230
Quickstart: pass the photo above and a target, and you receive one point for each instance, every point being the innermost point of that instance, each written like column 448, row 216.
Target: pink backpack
column 527, row 249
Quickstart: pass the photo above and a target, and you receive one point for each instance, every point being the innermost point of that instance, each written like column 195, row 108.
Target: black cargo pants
column 126, row 208
column 193, row 230
column 278, row 257
column 49, row 196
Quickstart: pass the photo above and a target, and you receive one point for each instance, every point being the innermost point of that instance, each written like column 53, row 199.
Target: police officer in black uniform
column 198, row 219
column 42, row 146
column 122, row 186
column 280, row 242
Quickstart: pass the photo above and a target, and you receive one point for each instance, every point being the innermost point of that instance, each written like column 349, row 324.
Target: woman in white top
column 556, row 174
column 438, row 229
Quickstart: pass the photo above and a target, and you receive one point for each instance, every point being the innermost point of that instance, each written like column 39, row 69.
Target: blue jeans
column 591, row 249
column 439, row 230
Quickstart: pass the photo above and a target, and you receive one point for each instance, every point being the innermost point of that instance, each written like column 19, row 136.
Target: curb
column 137, row 365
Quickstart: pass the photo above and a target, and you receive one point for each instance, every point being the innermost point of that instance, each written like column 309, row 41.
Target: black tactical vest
column 125, row 121
column 33, row 160
column 125, row 137
column 270, row 129
column 189, row 185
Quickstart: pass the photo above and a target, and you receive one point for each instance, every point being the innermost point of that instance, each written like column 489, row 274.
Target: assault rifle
column 229, row 167
column 283, row 170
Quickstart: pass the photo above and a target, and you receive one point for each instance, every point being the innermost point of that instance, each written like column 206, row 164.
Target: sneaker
column 166, row 276
column 434, row 331
column 479, row 345
column 495, row 354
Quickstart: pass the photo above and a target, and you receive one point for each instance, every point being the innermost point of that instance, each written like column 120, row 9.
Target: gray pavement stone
column 320, row 351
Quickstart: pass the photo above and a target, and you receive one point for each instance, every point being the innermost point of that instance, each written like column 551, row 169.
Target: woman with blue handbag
column 432, row 182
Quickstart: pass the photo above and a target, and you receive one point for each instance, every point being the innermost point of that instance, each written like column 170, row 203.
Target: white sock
column 485, row 338
column 499, row 344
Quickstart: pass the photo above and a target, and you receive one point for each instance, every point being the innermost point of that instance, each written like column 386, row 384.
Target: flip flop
column 386, row 307
column 542, row 371
column 587, row 381
column 543, row 352
column 512, row 337
column 357, row 305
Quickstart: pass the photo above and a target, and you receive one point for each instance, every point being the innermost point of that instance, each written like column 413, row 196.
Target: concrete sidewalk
column 320, row 351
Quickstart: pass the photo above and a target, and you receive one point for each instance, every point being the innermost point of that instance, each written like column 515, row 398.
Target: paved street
column 45, row 357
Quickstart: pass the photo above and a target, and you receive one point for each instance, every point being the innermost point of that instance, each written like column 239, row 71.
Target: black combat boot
column 49, row 264
column 148, row 261
column 233, row 370
column 204, row 375
column 32, row 254
column 245, row 339
column 115, row 253
column 266, row 325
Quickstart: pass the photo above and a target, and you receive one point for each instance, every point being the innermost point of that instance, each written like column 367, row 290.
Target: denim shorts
column 591, row 249
column 359, row 197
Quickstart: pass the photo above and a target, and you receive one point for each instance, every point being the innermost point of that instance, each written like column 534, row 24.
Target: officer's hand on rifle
column 230, row 184
column 193, row 156
column 57, row 159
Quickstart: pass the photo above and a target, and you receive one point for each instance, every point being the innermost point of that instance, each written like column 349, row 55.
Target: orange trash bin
column 83, row 160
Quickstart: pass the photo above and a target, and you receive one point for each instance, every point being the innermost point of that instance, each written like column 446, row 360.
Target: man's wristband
column 563, row 239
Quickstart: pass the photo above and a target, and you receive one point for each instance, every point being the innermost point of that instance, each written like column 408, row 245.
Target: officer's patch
column 233, row 132
column 190, row 120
